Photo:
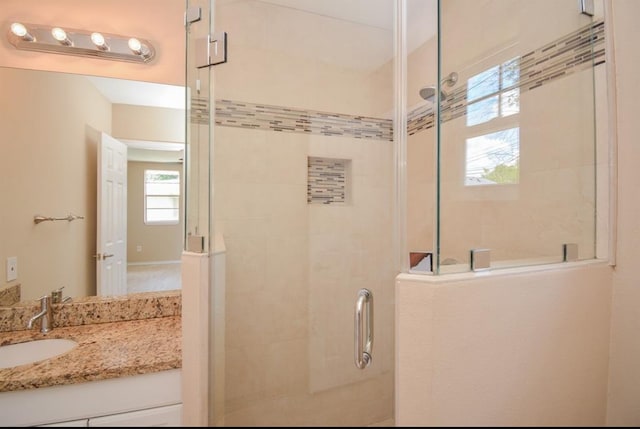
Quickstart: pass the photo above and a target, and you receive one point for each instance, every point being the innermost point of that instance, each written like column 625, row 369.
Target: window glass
column 161, row 197
column 493, row 158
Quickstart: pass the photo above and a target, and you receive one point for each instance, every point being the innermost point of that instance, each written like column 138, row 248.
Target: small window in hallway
column 161, row 197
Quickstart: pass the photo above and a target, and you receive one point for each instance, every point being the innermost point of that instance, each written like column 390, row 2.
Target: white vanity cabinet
column 152, row 399
column 170, row 415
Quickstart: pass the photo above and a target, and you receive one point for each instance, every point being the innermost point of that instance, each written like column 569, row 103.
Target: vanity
column 125, row 369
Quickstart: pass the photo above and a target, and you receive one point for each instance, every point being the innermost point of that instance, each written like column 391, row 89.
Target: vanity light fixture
column 43, row 38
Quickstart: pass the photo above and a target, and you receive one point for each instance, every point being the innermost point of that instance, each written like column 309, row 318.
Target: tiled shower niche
column 328, row 180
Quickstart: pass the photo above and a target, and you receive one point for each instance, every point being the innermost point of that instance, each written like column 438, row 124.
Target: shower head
column 429, row 92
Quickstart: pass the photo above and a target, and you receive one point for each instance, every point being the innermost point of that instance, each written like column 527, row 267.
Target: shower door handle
column 363, row 340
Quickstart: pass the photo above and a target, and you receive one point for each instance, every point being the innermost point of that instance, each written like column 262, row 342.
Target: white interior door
column 111, row 252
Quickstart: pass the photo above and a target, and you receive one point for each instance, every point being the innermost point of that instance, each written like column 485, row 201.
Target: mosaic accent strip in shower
column 200, row 111
column 277, row 118
column 327, row 181
column 577, row 51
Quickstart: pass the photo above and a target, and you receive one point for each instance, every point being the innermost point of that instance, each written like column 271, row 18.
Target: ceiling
column 373, row 13
column 421, row 14
column 120, row 91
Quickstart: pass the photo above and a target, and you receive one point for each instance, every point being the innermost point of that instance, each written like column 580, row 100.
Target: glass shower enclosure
column 334, row 144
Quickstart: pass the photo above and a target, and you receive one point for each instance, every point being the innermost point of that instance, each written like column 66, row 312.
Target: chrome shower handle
column 363, row 340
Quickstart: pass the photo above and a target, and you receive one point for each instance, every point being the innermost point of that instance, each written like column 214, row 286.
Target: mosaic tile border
column 277, row 118
column 200, row 113
column 577, row 51
column 327, row 181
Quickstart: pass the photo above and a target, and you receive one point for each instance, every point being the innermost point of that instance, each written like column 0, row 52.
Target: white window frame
column 497, row 124
column 145, row 196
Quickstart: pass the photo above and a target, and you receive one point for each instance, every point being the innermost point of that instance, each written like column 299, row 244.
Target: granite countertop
column 105, row 350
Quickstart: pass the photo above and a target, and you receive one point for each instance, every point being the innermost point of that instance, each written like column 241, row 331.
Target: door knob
column 102, row 257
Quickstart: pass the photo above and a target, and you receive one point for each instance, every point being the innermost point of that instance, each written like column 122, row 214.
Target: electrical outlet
column 12, row 268
column 139, row 248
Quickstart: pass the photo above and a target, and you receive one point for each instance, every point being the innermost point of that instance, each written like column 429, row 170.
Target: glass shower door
column 303, row 198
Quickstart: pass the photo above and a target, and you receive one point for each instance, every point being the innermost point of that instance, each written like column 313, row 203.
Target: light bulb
column 98, row 40
column 135, row 46
column 61, row 36
column 21, row 31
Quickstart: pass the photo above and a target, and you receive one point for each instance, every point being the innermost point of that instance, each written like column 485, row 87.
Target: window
column 493, row 158
column 161, row 197
column 493, row 103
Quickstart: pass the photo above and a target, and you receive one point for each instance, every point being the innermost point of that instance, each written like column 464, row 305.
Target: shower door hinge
column 192, row 14
column 587, row 7
column 211, row 50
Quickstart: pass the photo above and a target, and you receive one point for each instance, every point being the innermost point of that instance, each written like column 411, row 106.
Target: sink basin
column 34, row 351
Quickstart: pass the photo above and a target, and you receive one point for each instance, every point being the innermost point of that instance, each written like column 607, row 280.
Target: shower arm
column 451, row 79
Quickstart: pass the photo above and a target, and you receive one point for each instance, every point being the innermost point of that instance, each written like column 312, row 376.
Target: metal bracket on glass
column 587, row 7
column 211, row 50
column 569, row 252
column 480, row 259
column 193, row 14
column 195, row 243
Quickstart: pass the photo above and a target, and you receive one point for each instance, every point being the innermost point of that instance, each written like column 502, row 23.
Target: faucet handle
column 56, row 296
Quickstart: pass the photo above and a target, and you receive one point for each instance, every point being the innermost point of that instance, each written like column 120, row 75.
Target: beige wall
column 624, row 383
column 48, row 123
column 159, row 243
column 504, row 349
column 287, row 57
column 155, row 124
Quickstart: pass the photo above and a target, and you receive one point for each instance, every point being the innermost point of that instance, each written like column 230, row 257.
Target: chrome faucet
column 46, row 315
